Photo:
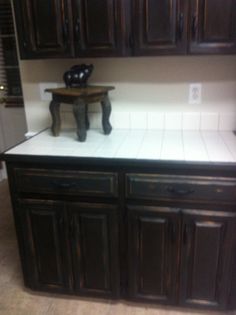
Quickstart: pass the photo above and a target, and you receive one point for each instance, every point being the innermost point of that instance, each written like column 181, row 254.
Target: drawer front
column 66, row 182
column 167, row 187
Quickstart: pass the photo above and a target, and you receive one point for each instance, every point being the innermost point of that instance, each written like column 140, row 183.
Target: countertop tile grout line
column 205, row 145
column 227, row 146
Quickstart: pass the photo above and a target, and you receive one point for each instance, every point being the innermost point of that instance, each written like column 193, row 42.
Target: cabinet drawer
column 166, row 187
column 66, row 182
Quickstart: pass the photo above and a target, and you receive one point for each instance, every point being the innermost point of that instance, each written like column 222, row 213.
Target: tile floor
column 16, row 300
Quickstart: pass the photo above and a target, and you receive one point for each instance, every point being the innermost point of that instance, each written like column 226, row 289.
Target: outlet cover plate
column 195, row 94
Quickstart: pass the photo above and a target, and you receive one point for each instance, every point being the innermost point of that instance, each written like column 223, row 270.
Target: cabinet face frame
column 31, row 47
column 165, row 222
column 205, row 281
column 203, row 23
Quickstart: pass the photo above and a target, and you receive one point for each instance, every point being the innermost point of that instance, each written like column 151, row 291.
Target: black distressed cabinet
column 71, row 246
column 45, row 244
column 138, row 230
column 159, row 27
column 95, row 249
column 208, row 242
column 153, row 249
column 111, row 28
column 44, row 28
column 99, row 27
column 213, row 26
column 200, row 252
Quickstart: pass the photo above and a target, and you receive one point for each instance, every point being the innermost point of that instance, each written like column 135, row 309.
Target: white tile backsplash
column 173, row 121
column 138, row 120
column 155, row 121
column 158, row 121
column 120, row 120
column 95, row 120
column 191, row 121
column 209, row 121
column 45, row 96
column 227, row 121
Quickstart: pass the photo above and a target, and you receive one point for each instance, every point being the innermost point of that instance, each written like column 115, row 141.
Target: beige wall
column 158, row 84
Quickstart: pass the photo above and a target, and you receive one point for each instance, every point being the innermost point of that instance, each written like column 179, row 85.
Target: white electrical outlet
column 195, row 93
column 44, row 96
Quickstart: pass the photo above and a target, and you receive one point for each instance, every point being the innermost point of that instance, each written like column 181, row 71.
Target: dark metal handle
column 185, row 235
column 131, row 41
column 172, row 232
column 64, row 185
column 66, row 29
column 72, row 228
column 180, row 192
column 77, row 27
column 194, row 26
column 61, row 220
column 181, row 25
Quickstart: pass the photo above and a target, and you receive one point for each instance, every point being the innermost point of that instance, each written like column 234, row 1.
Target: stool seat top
column 90, row 90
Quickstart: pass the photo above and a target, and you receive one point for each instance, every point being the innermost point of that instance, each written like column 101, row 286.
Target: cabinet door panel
column 45, row 245
column 95, row 249
column 44, row 28
column 206, row 258
column 153, row 259
column 99, row 27
column 159, row 27
column 213, row 26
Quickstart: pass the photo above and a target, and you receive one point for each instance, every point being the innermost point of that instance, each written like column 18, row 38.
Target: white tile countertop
column 204, row 146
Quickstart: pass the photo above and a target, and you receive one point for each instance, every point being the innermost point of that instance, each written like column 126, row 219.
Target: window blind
column 10, row 83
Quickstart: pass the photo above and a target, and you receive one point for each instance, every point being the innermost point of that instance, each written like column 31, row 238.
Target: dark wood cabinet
column 143, row 231
column 99, row 27
column 208, row 244
column 95, row 249
column 44, row 28
column 153, row 248
column 109, row 28
column 213, row 26
column 159, row 27
column 44, row 240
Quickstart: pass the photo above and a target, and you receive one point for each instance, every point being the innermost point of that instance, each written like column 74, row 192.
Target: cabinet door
column 213, row 26
column 43, row 28
column 208, row 243
column 159, row 27
column 153, row 247
column 95, row 249
column 99, row 27
column 46, row 250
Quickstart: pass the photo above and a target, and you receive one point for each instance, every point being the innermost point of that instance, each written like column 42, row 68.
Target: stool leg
column 79, row 110
column 56, row 119
column 106, row 112
column 86, row 117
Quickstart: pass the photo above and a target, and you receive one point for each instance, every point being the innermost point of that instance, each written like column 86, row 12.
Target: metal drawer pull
column 181, row 25
column 64, row 185
column 180, row 192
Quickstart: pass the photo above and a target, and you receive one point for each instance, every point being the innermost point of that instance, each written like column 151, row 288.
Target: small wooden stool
column 80, row 98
